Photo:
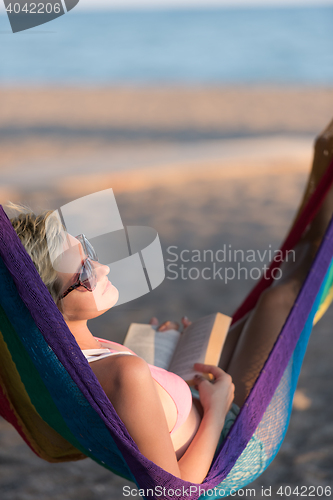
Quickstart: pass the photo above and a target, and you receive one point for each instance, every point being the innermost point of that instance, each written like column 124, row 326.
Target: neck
column 82, row 335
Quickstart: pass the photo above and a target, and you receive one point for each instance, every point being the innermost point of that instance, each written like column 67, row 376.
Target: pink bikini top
column 174, row 385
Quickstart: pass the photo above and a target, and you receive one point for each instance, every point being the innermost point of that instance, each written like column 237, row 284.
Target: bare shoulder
column 121, row 373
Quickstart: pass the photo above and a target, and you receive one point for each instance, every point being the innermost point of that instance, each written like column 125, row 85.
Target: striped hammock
column 50, row 395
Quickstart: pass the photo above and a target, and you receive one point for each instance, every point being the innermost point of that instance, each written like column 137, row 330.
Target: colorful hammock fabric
column 51, row 396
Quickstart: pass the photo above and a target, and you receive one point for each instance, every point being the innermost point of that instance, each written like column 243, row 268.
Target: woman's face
column 81, row 304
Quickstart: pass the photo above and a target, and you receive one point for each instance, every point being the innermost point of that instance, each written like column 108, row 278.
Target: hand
column 170, row 325
column 218, row 395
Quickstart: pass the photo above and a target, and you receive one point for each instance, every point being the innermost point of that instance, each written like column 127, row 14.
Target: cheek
column 87, row 305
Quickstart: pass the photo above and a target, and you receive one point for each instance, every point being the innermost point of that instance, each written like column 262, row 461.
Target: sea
column 216, row 46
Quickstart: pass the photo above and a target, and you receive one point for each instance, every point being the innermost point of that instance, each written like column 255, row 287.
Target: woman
column 178, row 434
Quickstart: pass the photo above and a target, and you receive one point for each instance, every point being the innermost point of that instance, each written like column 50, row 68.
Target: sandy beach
column 204, row 167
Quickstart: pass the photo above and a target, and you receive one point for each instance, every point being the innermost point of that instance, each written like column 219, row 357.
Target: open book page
column 192, row 347
column 165, row 345
column 201, row 342
column 156, row 348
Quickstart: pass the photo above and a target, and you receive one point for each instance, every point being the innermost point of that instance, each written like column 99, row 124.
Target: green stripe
column 35, row 387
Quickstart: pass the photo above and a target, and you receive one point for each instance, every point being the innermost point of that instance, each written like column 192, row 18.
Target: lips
column 108, row 286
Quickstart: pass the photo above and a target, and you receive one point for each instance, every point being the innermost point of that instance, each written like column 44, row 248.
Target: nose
column 101, row 269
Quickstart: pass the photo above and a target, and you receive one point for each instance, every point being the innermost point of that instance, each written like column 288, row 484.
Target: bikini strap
column 97, row 354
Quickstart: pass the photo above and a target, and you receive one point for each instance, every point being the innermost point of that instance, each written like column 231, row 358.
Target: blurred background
column 201, row 116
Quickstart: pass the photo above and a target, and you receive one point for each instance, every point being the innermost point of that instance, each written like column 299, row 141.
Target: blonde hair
column 41, row 236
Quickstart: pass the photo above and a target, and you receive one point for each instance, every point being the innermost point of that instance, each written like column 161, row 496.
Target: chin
column 107, row 300
column 114, row 292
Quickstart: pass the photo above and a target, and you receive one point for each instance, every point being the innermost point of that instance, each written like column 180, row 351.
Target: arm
column 128, row 384
column 216, row 400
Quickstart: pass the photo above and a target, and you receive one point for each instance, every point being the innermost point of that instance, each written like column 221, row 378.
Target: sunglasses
column 87, row 276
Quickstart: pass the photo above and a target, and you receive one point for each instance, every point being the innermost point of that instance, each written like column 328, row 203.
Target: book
column 200, row 342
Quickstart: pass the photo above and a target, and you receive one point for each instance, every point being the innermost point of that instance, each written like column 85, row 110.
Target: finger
column 168, row 325
column 214, row 370
column 154, row 321
column 198, row 380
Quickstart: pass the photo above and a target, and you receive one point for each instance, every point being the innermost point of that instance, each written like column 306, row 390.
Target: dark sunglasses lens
column 90, row 250
column 88, row 276
column 87, row 247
